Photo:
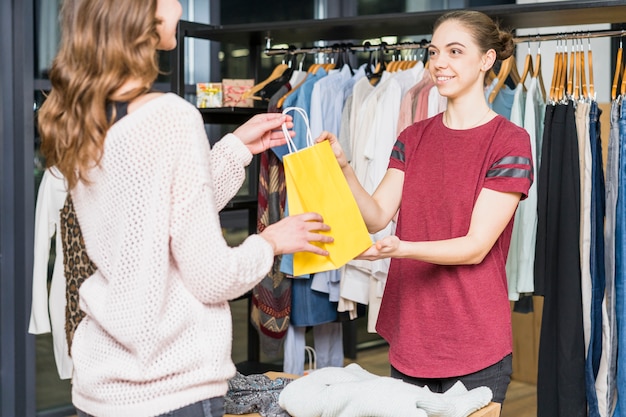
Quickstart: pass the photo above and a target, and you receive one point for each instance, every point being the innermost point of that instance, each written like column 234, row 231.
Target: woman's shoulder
column 158, row 102
column 504, row 124
column 509, row 134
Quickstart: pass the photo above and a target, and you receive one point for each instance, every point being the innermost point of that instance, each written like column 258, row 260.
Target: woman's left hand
column 263, row 131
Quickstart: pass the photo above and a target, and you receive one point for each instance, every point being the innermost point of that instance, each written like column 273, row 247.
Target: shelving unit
column 519, row 16
column 356, row 29
column 255, row 36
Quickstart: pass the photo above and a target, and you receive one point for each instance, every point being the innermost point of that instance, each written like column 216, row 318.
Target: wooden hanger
column 537, row 73
column 623, row 86
column 570, row 74
column 505, row 69
column 618, row 71
column 392, row 65
column 562, row 86
column 580, row 82
column 528, row 66
column 310, row 70
column 584, row 94
column 592, row 91
column 276, row 73
column 559, row 75
column 514, row 74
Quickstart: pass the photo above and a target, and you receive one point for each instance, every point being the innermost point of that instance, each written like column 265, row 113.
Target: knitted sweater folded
column 157, row 332
column 354, row 392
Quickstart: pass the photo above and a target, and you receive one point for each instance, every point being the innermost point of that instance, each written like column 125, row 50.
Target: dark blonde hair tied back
column 486, row 32
column 103, row 44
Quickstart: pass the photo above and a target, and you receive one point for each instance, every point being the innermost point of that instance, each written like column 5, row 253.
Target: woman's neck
column 467, row 114
column 123, row 93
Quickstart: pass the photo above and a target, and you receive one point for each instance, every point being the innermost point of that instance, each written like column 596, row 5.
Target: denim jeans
column 620, row 265
column 497, row 377
column 611, row 187
column 596, row 261
column 213, row 407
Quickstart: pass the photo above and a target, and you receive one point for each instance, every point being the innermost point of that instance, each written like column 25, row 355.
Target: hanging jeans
column 596, row 261
column 612, row 180
column 620, row 268
column 561, row 376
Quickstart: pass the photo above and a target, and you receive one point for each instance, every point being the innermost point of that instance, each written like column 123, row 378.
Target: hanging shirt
column 48, row 309
column 407, row 106
column 520, row 264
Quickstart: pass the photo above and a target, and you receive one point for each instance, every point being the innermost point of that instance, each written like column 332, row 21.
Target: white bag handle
column 309, row 136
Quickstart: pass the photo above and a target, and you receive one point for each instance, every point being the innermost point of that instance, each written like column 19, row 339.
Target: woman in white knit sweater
column 147, row 190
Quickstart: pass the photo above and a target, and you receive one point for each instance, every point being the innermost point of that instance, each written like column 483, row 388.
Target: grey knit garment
column 255, row 394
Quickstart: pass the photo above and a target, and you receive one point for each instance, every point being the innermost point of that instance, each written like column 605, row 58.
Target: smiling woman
column 453, row 228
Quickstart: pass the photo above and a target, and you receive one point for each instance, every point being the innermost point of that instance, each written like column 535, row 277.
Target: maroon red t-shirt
column 443, row 321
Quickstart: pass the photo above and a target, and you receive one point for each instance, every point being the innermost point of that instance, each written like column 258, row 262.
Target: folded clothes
column 355, row 392
column 255, row 394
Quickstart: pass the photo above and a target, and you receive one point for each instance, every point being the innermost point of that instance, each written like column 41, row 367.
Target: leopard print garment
column 77, row 267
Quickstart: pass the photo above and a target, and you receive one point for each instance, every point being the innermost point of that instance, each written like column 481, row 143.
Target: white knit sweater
column 158, row 330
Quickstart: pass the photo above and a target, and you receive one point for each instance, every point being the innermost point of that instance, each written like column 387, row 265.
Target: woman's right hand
column 334, row 144
column 295, row 233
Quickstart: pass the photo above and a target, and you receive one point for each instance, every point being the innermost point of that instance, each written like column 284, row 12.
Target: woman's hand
column 334, row 144
column 386, row 247
column 295, row 233
column 263, row 131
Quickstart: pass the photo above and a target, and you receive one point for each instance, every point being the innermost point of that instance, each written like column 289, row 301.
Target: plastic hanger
column 381, row 66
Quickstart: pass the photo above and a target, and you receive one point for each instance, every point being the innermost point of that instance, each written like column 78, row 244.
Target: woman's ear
column 489, row 58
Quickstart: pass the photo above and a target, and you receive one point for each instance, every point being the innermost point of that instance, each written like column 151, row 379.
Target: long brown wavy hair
column 103, row 44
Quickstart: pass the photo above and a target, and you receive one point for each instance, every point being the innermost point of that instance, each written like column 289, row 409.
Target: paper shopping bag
column 315, row 183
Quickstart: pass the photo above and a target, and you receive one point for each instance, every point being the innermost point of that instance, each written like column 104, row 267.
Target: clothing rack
column 343, row 47
column 423, row 44
column 572, row 35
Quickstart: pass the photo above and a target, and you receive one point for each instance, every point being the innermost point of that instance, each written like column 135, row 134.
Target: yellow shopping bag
column 315, row 183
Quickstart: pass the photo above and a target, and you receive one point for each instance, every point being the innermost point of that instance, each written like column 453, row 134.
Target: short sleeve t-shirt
column 441, row 320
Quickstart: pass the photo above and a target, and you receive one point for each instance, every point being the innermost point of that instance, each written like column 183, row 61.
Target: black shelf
column 230, row 115
column 519, row 16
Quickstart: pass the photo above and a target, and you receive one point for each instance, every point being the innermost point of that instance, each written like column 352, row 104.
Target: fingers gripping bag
column 315, row 183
